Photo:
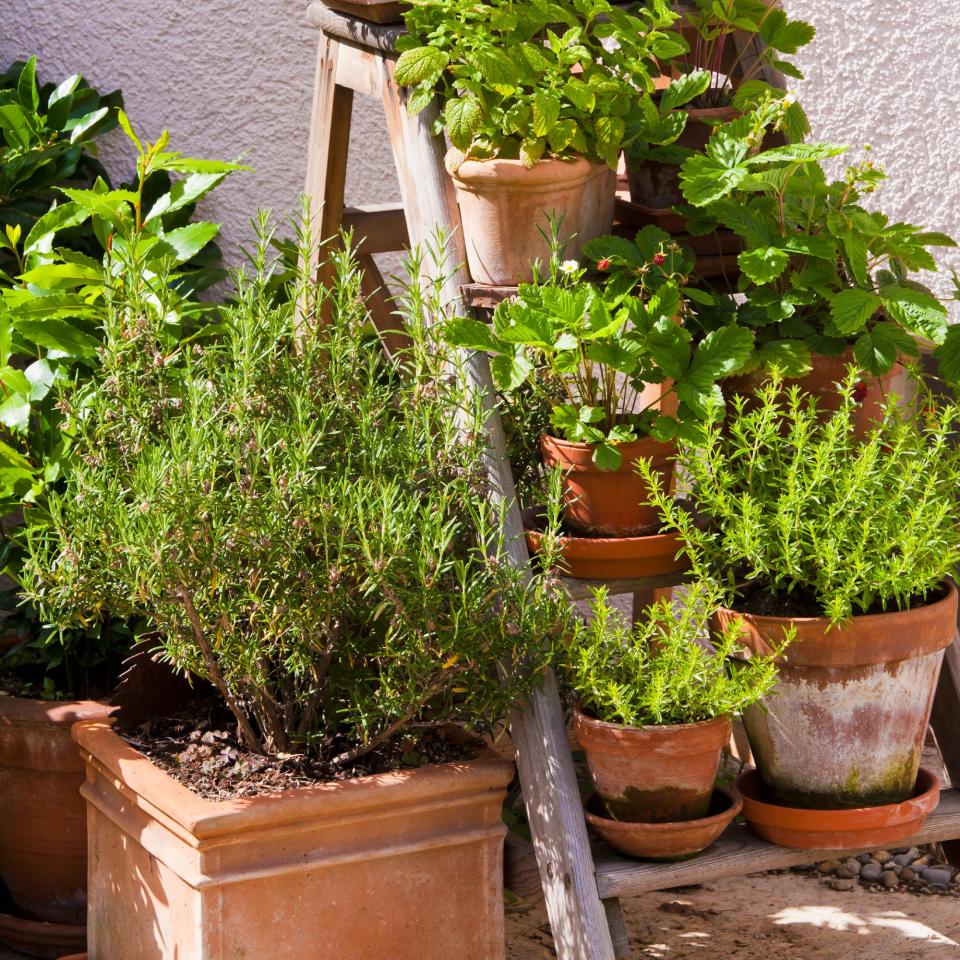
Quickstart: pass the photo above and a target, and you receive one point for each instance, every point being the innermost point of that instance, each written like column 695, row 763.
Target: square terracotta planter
column 406, row 866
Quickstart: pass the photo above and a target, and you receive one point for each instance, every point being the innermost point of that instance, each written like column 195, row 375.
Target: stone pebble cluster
column 905, row 869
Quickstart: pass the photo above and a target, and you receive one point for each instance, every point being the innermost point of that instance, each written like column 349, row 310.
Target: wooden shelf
column 739, row 852
column 583, row 589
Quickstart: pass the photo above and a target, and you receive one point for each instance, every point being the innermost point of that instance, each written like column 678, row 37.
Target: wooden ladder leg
column 327, row 154
column 577, row 917
column 945, row 720
column 618, row 928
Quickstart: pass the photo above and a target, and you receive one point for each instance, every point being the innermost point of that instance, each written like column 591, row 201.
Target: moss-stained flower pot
column 405, row 865
column 845, row 725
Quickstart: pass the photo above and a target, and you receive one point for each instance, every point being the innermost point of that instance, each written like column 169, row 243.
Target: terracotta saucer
column 612, row 558
column 37, row 938
column 665, row 841
column 861, row 827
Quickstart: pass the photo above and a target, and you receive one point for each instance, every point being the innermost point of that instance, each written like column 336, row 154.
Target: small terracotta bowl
column 36, row 938
column 859, row 828
column 665, row 841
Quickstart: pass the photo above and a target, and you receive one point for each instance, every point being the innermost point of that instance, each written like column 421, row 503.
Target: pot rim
column 30, row 711
column 925, row 797
column 731, row 810
column 546, row 173
column 605, row 727
column 149, row 787
column 859, row 619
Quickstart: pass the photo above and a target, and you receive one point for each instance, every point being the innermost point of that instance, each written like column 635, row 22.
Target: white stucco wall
column 234, row 79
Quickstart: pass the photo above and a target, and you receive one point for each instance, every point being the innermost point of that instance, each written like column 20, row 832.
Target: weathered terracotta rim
column 866, row 639
column 152, row 788
column 579, row 456
column 29, row 711
column 42, row 933
column 926, row 796
column 500, row 173
column 731, row 809
column 600, row 736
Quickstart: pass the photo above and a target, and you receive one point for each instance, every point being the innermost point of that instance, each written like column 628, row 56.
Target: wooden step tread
column 739, row 852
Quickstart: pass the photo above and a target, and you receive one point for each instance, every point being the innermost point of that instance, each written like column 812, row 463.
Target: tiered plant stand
column 582, row 885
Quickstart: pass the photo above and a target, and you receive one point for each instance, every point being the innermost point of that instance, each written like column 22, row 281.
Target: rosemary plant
column 661, row 670
column 805, row 519
column 305, row 523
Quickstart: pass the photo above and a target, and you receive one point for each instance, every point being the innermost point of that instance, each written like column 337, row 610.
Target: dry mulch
column 199, row 748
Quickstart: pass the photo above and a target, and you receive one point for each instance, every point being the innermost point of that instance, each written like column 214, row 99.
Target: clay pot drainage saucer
column 860, row 828
column 613, row 558
column 665, row 841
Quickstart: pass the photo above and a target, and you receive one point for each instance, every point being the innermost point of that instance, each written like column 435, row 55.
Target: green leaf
column 184, row 243
column 664, row 429
column 420, row 99
column 40, row 376
column 497, row 69
column 125, row 125
column 919, row 312
column 796, row 153
column 14, row 125
column 700, row 399
column 57, row 218
column 764, row 264
column 947, row 356
column 190, row 189
column 580, row 95
column 821, row 246
column 704, row 179
column 27, row 92
column 684, row 89
column 786, row 36
column 469, row 334
column 531, row 150
column 53, row 333
column 852, row 308
column 856, row 248
column 669, row 345
column 546, row 112
column 462, row 118
column 618, row 250
column 52, row 275
column 721, row 353
column 510, row 371
column 606, row 456
column 791, row 357
column 420, row 65
column 86, row 125
column 15, row 412
column 878, row 349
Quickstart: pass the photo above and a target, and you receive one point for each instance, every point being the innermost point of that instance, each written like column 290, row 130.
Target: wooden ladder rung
column 739, row 852
column 383, row 226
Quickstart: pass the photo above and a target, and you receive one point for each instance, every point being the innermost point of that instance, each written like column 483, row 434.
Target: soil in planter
column 759, row 602
column 199, row 748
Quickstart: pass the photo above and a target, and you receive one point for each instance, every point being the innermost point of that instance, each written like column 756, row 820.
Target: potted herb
column 536, row 103
column 654, row 709
column 309, row 531
column 848, row 543
column 593, row 350
column 718, row 83
column 824, row 281
column 50, row 310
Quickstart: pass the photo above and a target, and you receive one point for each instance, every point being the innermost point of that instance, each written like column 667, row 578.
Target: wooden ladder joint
column 362, row 34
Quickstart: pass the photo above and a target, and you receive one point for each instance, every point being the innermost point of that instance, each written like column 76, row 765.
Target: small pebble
column 882, row 856
column 923, row 861
column 840, row 884
column 871, row 871
column 903, row 859
column 939, row 876
column 890, row 865
column 906, row 874
column 890, row 880
column 864, row 857
column 938, row 887
column 848, row 872
column 828, row 866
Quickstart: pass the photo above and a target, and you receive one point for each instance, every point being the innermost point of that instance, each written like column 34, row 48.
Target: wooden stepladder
column 582, row 889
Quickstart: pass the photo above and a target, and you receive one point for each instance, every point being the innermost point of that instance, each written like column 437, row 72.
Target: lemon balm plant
column 537, row 100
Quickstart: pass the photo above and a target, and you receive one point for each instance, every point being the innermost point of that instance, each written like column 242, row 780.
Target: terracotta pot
column 821, row 382
column 43, row 837
column 38, row 938
column 656, row 184
column 845, row 724
column 608, row 503
column 653, row 774
column 405, row 865
column 617, row 558
column 666, row 841
column 864, row 828
column 504, row 205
